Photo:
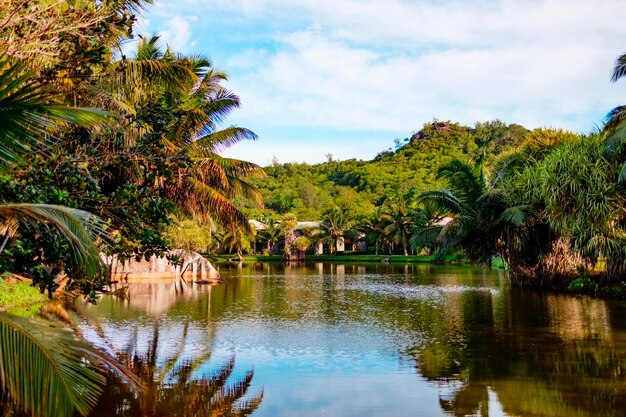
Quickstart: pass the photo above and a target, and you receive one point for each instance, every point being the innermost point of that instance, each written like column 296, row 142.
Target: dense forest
column 360, row 186
column 550, row 203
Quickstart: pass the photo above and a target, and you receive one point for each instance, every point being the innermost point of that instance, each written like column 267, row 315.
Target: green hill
column 307, row 190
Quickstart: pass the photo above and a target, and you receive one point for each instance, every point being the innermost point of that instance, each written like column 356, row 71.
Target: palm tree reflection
column 176, row 387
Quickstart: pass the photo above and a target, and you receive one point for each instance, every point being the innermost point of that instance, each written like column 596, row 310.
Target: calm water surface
column 375, row 340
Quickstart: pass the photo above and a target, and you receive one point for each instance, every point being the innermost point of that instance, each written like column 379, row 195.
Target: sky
column 347, row 77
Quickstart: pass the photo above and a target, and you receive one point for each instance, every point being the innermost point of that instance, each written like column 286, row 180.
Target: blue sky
column 347, row 77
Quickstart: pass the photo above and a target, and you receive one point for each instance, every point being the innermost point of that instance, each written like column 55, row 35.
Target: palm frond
column 30, row 111
column 79, row 227
column 244, row 188
column 204, row 200
column 465, row 180
column 128, row 6
column 225, row 138
column 425, row 237
column 218, row 104
column 506, row 165
column 517, row 215
column 444, row 201
column 620, row 68
column 138, row 78
column 615, row 130
column 46, row 370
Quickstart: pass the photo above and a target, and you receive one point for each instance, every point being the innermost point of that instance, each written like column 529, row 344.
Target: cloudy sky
column 347, row 77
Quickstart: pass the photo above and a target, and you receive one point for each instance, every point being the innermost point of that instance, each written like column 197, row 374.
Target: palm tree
column 270, row 234
column 335, row 222
column 372, row 227
column 62, row 367
column 238, row 240
column 399, row 222
column 188, row 102
column 479, row 212
column 615, row 126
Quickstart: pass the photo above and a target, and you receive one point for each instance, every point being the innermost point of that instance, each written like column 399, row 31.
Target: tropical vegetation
column 98, row 152
column 108, row 148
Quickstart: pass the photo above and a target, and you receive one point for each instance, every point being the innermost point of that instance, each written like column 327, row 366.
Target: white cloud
column 391, row 65
column 176, row 32
column 318, row 81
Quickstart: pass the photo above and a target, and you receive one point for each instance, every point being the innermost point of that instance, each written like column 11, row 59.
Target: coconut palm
column 398, row 220
column 270, row 234
column 238, row 240
column 372, row 227
column 479, row 212
column 184, row 102
column 335, row 223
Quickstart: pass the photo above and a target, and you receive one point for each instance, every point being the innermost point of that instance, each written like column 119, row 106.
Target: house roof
column 307, row 225
column 257, row 225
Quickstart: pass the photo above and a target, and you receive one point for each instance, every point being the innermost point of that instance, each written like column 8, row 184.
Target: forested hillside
column 359, row 186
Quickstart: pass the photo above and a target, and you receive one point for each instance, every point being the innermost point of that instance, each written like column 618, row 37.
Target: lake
column 363, row 340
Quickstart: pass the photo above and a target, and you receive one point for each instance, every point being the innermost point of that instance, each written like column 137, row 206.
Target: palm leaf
column 204, row 200
column 444, row 201
column 30, row 111
column 79, row 227
column 47, row 371
column 620, row 68
column 225, row 138
column 516, row 215
column 615, row 130
column 218, row 104
column 465, row 180
column 425, row 237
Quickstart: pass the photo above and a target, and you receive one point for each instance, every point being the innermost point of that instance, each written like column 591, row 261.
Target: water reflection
column 175, row 385
column 549, row 355
column 372, row 340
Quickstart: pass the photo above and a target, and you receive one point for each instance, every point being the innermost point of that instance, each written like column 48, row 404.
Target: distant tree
column 288, row 229
column 335, row 222
column 238, row 240
column 398, row 219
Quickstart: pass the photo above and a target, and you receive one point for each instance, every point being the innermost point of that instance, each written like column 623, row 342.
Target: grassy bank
column 20, row 299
